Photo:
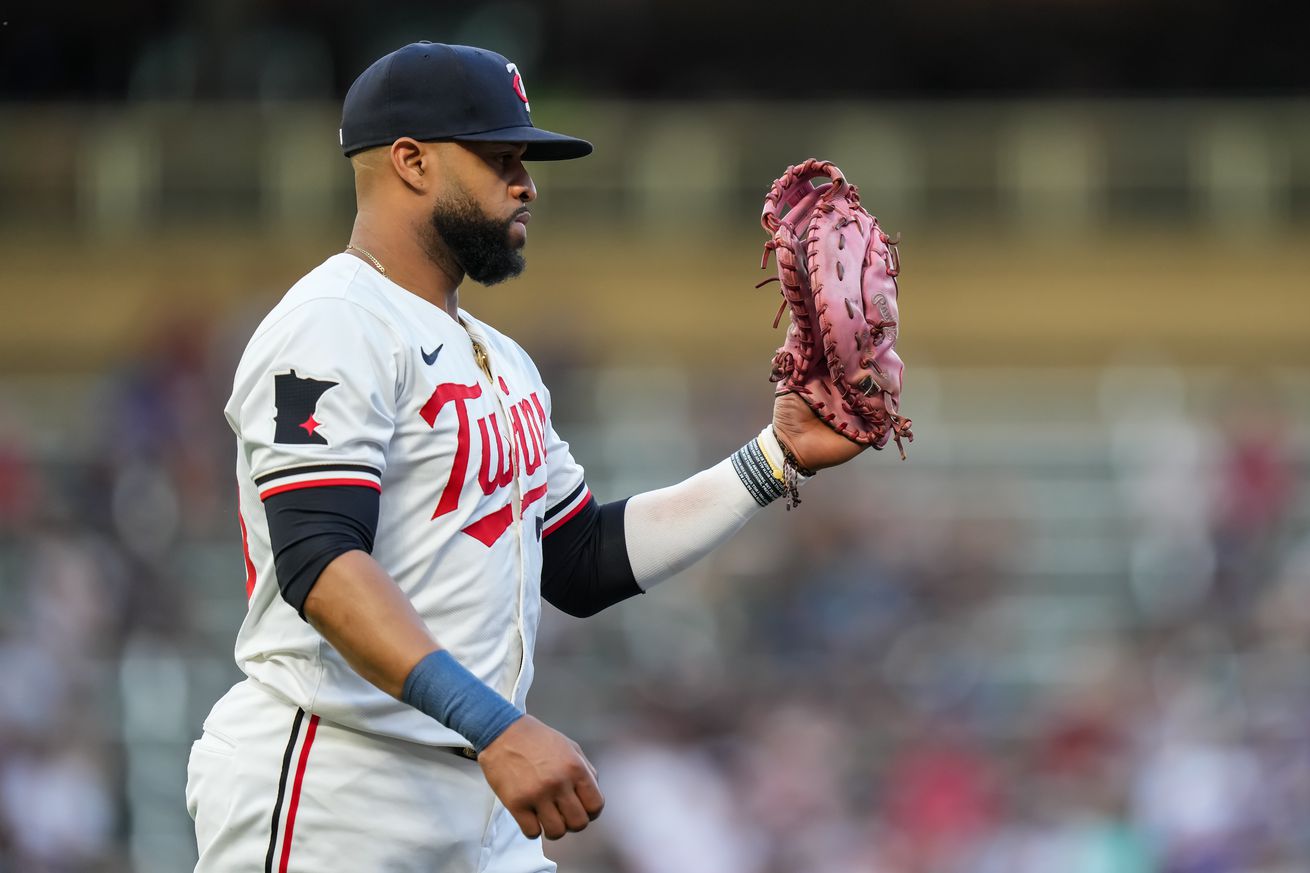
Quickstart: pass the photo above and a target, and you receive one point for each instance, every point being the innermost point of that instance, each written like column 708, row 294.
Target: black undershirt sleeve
column 585, row 565
column 309, row 527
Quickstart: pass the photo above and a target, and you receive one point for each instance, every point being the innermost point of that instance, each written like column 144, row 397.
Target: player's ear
column 413, row 163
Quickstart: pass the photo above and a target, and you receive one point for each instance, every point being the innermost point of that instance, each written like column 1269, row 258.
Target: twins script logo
column 525, row 437
column 517, row 82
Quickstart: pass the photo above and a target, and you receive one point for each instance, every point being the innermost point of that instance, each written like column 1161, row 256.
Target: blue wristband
column 443, row 688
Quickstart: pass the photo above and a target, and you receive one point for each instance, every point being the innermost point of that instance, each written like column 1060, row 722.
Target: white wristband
column 772, row 449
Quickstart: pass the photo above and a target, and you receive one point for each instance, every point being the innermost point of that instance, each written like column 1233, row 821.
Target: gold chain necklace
column 479, row 353
column 481, row 357
column 369, row 255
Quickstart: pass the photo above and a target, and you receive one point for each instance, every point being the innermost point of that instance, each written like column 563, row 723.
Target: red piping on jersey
column 295, row 793
column 318, row 483
column 245, row 551
column 532, row 497
column 586, row 498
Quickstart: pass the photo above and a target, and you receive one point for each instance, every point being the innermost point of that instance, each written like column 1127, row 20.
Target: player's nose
column 525, row 191
column 522, row 188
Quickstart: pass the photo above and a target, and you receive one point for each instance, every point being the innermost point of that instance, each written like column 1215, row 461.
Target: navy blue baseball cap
column 431, row 91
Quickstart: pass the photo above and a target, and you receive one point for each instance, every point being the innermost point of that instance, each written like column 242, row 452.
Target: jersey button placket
column 486, row 367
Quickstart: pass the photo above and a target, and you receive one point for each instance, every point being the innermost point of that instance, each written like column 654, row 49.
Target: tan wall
column 629, row 297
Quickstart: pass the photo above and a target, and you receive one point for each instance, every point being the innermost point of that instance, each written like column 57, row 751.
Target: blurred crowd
column 854, row 687
column 874, row 713
column 94, row 509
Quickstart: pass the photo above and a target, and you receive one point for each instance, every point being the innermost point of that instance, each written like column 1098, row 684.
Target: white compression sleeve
column 670, row 529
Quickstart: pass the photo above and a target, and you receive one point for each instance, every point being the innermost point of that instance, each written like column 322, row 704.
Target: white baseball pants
column 276, row 789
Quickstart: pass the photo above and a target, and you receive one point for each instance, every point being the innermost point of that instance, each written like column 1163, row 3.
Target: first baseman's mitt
column 838, row 274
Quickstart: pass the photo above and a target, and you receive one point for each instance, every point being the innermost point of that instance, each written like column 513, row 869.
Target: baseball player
column 406, row 503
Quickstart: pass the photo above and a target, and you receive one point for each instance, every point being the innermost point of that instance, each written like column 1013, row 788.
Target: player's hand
column 813, row 443
column 543, row 779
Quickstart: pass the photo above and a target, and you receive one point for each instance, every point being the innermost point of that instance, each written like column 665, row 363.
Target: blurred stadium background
column 1071, row 633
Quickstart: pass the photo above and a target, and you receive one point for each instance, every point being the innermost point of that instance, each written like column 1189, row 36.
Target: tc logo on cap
column 518, row 84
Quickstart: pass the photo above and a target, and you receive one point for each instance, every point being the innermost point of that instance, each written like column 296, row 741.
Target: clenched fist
column 543, row 779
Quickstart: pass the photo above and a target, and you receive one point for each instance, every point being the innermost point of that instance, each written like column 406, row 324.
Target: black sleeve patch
column 309, row 527
column 296, row 400
column 585, row 565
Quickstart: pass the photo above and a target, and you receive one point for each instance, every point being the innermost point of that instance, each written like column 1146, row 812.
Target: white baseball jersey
column 352, row 380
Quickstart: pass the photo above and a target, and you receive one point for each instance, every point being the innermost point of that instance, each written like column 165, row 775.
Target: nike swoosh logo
column 431, row 358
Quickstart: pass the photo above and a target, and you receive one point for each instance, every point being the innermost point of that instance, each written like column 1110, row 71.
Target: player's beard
column 479, row 244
